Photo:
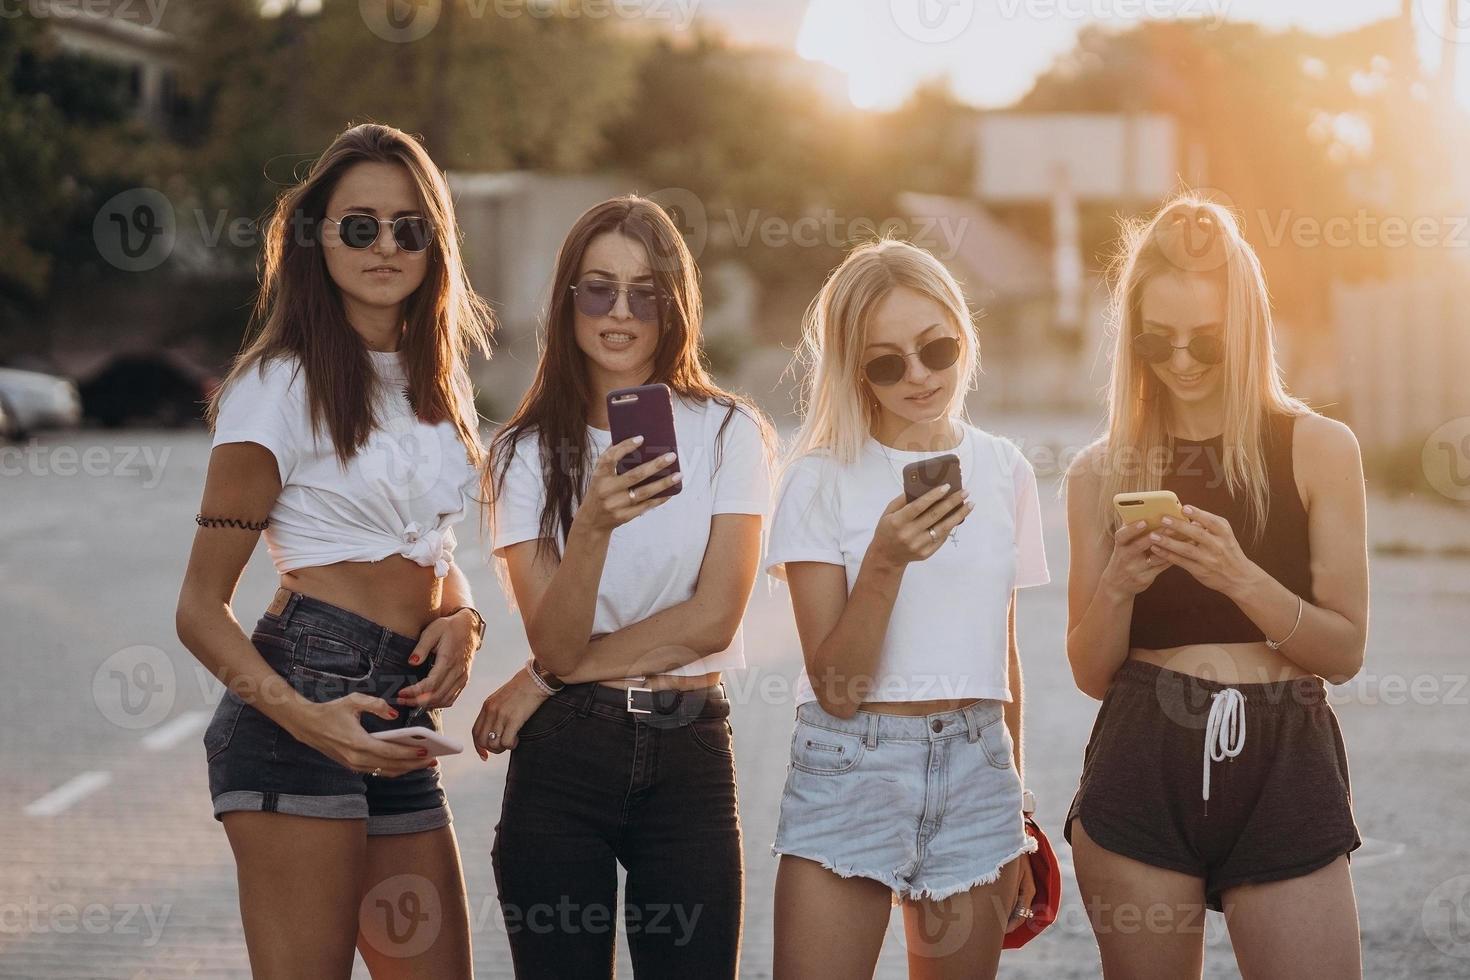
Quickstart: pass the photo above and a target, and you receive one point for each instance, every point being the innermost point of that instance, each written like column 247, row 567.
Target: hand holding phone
column 420, row 737
column 1150, row 506
column 647, row 411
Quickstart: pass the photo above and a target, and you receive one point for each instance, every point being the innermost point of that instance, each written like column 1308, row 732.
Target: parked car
column 155, row 388
column 33, row 400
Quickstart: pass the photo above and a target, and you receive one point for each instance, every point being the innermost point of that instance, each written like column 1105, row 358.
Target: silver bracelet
column 1300, row 605
column 538, row 680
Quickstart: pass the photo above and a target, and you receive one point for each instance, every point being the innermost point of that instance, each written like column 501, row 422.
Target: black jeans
column 590, row 786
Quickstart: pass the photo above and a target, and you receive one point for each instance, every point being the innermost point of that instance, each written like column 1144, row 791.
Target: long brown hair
column 554, row 408
column 298, row 309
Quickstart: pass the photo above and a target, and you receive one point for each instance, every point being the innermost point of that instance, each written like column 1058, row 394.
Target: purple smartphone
column 646, row 411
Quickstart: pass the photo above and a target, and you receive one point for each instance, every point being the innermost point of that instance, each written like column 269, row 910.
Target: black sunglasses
column 936, row 355
column 597, row 297
column 412, row 233
column 1156, row 349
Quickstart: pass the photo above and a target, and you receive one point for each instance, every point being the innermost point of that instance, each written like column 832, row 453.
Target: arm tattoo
column 203, row 521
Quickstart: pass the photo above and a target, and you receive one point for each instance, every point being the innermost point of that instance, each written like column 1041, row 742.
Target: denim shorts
column 326, row 653
column 929, row 805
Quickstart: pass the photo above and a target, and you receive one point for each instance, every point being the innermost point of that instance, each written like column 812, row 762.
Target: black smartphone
column 921, row 476
column 647, row 411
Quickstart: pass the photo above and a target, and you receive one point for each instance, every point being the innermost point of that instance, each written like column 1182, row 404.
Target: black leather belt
column 665, row 707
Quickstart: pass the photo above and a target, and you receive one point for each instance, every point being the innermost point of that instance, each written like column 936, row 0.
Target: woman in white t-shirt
column 904, row 782
column 347, row 433
column 632, row 604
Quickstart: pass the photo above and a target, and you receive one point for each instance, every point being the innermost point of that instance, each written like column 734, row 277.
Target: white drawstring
column 1224, row 730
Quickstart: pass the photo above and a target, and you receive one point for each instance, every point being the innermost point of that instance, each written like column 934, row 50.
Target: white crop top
column 398, row 495
column 947, row 635
column 653, row 561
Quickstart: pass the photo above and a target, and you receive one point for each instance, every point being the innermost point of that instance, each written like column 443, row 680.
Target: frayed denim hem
column 890, row 881
column 940, row 894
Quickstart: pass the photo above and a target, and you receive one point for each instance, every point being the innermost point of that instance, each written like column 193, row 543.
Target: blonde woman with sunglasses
column 904, row 783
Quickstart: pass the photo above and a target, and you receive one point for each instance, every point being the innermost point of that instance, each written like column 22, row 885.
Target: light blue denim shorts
column 930, row 805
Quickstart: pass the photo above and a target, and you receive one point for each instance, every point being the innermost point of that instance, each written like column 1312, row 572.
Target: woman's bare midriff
column 394, row 592
column 1226, row 663
column 912, row 708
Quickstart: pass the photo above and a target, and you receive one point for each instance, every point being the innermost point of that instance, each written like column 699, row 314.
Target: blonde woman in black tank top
column 1224, row 623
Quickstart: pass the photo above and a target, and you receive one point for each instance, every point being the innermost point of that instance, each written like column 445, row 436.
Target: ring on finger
column 492, row 736
column 632, row 494
column 932, row 536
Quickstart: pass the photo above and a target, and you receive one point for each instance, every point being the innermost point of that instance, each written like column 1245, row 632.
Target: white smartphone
column 420, row 737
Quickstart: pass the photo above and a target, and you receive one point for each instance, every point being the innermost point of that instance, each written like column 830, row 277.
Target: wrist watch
column 1028, row 802
column 479, row 623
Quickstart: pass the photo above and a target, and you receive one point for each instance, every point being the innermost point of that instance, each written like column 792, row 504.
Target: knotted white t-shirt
column 399, row 494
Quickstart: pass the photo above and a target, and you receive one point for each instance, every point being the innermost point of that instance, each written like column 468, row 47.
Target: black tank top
column 1176, row 610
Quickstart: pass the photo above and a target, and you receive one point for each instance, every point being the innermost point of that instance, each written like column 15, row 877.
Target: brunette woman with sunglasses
column 619, row 725
column 346, row 431
column 1216, row 775
column 904, row 783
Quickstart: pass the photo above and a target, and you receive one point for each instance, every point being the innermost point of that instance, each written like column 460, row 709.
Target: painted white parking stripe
column 69, row 792
column 168, row 735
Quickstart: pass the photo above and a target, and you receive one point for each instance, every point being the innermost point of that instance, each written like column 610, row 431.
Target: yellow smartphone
column 1148, row 505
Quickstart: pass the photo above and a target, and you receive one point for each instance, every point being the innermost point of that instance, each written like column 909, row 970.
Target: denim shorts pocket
column 326, row 658
column 713, row 735
column 550, row 718
column 995, row 738
column 823, row 752
column 221, row 728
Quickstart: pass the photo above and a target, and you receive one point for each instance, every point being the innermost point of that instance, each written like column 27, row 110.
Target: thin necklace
column 954, row 532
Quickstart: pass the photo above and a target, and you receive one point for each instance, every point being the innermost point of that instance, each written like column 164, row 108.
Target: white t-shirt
column 653, row 560
column 947, row 634
column 398, row 495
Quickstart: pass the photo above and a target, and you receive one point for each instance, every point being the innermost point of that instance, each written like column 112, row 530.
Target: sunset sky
column 993, row 49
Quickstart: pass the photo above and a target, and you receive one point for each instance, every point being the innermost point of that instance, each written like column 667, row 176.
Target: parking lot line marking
column 168, row 735
column 59, row 799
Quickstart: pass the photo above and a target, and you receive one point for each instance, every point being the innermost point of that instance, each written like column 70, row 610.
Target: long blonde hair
column 836, row 406
column 1191, row 235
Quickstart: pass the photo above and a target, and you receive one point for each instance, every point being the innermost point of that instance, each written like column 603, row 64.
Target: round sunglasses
column 412, row 233
column 1156, row 349
column 597, row 297
column 936, row 355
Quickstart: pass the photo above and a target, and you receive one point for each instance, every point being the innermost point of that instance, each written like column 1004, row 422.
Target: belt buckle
column 640, row 711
